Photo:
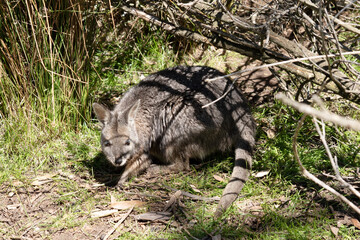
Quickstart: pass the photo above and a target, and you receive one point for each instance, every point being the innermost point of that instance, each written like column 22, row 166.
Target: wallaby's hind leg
column 240, row 174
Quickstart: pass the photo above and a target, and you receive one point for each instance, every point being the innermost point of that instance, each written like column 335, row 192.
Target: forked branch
column 308, row 110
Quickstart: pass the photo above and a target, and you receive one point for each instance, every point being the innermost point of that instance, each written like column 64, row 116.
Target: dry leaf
column 17, row 183
column 346, row 221
column 153, row 216
column 46, row 178
column 38, row 183
column 256, row 208
column 356, row 223
column 218, row 178
column 195, row 189
column 334, row 230
column 270, row 133
column 104, row 213
column 262, row 174
column 173, row 200
column 96, row 185
column 126, row 204
column 67, row 175
column 13, row 206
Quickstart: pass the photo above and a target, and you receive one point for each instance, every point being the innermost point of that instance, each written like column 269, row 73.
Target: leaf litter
column 41, row 204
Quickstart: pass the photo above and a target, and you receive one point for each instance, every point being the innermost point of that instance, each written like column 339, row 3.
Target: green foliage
column 276, row 152
column 122, row 63
column 44, row 64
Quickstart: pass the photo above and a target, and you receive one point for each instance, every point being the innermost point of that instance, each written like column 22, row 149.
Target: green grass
column 281, row 205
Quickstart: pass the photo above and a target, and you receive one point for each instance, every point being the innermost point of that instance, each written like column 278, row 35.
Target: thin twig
column 280, row 63
column 334, row 18
column 221, row 97
column 195, row 197
column 267, row 66
column 117, row 225
column 112, row 16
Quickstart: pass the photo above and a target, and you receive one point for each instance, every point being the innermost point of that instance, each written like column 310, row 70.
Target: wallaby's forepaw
column 121, row 182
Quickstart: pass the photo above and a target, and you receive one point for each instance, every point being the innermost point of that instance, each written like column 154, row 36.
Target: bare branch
column 282, row 62
column 334, row 18
column 324, row 115
column 313, row 178
column 333, row 160
column 213, row 24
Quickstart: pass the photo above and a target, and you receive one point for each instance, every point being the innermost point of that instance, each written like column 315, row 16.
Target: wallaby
column 163, row 118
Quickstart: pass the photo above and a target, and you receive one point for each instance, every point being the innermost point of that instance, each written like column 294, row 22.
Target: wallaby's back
column 171, row 125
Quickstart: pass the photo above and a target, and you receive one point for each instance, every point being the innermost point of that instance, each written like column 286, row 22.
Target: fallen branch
column 281, row 63
column 327, row 116
column 243, row 47
column 336, row 20
column 266, row 66
column 173, row 199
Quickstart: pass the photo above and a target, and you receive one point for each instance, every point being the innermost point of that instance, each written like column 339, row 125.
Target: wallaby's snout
column 163, row 118
column 121, row 161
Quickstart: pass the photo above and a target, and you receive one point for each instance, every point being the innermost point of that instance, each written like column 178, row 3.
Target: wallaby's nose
column 119, row 160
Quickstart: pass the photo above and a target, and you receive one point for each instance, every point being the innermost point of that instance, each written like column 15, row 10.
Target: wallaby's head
column 119, row 139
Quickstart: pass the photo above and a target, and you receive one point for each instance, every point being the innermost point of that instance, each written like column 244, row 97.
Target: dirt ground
column 26, row 210
column 29, row 211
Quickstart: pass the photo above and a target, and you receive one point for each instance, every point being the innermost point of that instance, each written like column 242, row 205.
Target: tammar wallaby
column 163, row 119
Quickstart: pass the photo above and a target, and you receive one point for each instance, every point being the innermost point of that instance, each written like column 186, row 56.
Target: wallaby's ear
column 102, row 113
column 133, row 111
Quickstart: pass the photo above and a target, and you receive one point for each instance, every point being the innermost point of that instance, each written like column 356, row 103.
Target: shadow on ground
column 102, row 170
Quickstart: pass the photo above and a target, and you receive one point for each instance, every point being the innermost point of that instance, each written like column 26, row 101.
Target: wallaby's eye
column 107, row 143
column 127, row 142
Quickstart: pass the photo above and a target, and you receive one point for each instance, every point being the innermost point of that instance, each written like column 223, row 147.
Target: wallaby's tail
column 240, row 174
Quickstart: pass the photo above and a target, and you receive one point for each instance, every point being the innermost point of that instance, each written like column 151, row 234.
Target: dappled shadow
column 259, row 85
column 105, row 173
column 326, row 200
column 102, row 170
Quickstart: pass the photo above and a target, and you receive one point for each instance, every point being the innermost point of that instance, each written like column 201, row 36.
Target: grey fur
column 162, row 118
